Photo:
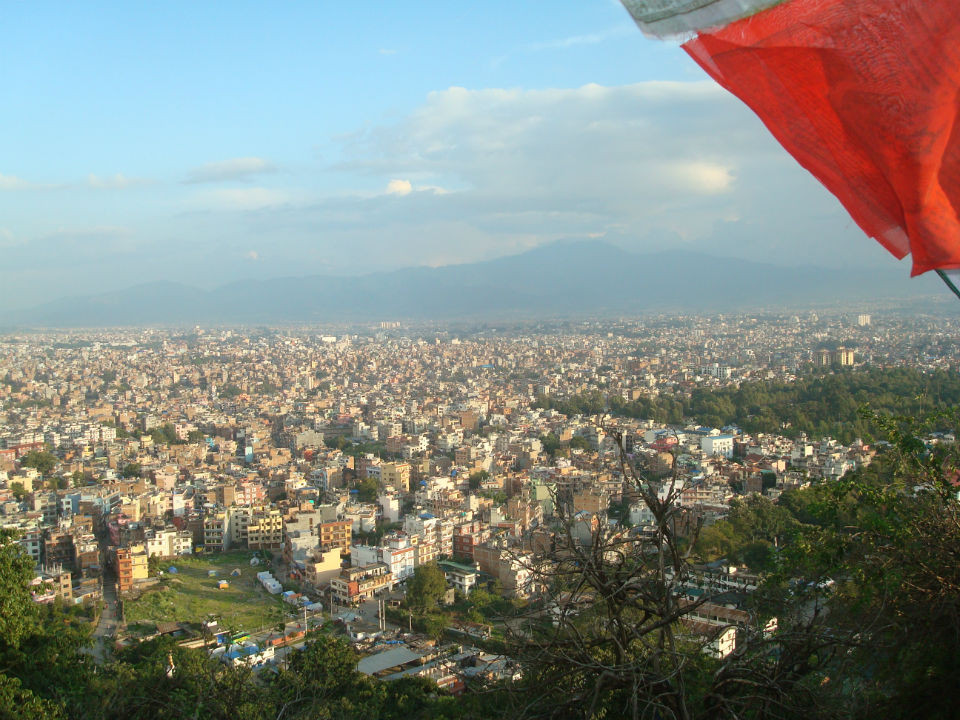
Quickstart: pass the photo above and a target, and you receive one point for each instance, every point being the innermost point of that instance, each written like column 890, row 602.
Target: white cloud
column 11, row 182
column 118, row 181
column 387, row 51
column 242, row 168
column 700, row 177
column 475, row 174
column 613, row 151
column 650, row 163
column 399, row 187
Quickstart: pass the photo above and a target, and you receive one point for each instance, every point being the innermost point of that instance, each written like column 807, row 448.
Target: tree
column 435, row 625
column 17, row 609
column 551, row 443
column 319, row 677
column 861, row 575
column 426, row 588
column 41, row 460
column 131, row 470
column 38, row 644
column 614, row 636
column 476, row 479
column 268, row 388
column 322, row 682
column 23, row 704
column 141, row 686
column 614, row 645
column 166, row 434
column 229, row 391
column 17, row 489
column 368, row 490
column 499, row 497
column 882, row 544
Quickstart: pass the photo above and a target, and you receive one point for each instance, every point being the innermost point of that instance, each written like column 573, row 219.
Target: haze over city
column 215, row 143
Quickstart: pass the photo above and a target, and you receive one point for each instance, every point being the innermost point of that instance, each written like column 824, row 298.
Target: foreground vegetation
column 46, row 672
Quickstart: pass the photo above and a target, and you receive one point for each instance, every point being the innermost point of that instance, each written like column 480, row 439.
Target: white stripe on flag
column 684, row 18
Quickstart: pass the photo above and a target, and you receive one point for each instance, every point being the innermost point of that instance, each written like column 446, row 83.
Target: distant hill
column 561, row 279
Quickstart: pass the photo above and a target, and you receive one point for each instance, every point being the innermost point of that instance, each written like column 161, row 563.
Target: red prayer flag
column 864, row 94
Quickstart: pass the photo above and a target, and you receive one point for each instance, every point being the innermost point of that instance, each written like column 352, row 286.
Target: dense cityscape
column 241, row 490
column 459, row 361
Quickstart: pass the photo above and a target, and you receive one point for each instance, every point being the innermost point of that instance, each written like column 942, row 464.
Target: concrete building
column 216, row 531
column 717, row 445
column 462, row 577
column 131, row 567
column 357, row 584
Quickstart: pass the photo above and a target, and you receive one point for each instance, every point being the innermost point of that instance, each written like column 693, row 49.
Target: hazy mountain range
column 584, row 278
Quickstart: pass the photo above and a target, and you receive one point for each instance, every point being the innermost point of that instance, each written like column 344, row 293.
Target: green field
column 192, row 596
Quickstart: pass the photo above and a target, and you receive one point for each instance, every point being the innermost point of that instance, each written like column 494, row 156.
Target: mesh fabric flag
column 863, row 93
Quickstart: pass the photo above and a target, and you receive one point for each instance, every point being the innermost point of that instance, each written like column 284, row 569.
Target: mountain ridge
column 571, row 278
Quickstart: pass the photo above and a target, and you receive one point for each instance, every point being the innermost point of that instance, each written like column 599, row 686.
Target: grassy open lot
column 192, row 596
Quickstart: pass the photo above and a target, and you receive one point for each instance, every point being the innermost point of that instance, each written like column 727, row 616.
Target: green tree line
column 818, row 405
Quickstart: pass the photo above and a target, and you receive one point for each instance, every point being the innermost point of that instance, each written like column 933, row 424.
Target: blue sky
column 207, row 142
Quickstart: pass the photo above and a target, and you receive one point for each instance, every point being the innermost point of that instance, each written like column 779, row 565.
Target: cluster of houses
column 355, row 461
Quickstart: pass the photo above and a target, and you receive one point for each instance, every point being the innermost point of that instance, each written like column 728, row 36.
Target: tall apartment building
column 131, row 567
column 396, row 475
column 468, row 535
column 32, row 543
column 320, row 567
column 216, row 530
column 59, row 549
column 50, row 582
column 337, row 534
column 265, row 531
column 240, row 518
column 511, row 566
column 843, row 357
column 399, row 555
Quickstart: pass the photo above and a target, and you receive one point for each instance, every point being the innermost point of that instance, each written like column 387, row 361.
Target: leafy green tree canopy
column 368, row 490
column 41, row 460
column 426, row 588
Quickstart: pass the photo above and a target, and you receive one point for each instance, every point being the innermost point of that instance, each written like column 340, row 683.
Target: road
column 368, row 611
column 107, row 627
